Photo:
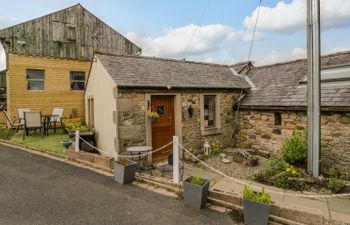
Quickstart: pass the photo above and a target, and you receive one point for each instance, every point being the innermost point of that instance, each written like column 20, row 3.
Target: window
column 209, row 111
column 35, row 79
column 91, row 119
column 278, row 119
column 77, row 80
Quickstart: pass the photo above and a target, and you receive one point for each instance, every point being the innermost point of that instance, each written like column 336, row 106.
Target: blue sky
column 165, row 28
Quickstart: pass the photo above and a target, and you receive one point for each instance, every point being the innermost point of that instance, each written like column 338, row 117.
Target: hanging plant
column 153, row 116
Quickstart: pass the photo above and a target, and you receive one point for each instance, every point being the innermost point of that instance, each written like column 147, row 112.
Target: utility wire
column 195, row 31
column 254, row 31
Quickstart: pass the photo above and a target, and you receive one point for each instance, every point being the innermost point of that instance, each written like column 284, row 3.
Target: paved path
column 37, row 190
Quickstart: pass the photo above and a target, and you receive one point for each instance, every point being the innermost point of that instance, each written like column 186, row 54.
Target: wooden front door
column 163, row 129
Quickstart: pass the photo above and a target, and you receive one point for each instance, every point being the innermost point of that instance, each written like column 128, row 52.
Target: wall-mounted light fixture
column 190, row 110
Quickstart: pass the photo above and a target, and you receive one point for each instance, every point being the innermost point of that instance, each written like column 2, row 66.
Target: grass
column 49, row 143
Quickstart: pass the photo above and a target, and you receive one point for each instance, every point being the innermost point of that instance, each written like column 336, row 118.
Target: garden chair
column 13, row 124
column 32, row 120
column 21, row 115
column 56, row 117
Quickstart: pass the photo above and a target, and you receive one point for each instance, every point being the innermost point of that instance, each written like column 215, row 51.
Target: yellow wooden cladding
column 57, row 92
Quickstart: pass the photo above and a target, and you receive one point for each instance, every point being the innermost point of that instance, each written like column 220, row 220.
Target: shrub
column 281, row 174
column 216, row 148
column 6, row 133
column 294, row 149
column 335, row 185
column 262, row 197
column 197, row 180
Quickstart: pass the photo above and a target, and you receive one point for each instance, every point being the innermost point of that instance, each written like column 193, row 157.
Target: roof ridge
column 163, row 59
column 303, row 59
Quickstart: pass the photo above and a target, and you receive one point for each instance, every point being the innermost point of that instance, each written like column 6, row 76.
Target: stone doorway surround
column 177, row 114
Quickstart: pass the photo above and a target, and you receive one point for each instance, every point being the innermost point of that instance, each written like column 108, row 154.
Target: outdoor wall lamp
column 190, row 110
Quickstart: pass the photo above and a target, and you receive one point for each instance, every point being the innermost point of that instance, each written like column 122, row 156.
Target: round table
column 140, row 151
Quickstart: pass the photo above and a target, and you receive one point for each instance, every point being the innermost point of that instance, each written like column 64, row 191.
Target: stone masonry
column 132, row 123
column 258, row 131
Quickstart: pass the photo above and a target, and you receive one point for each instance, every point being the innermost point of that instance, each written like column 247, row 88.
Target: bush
column 294, row 149
column 6, row 133
column 216, row 148
column 281, row 174
column 262, row 197
column 335, row 185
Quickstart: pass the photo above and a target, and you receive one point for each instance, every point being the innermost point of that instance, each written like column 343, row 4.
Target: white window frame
column 79, row 81
column 28, row 79
column 211, row 130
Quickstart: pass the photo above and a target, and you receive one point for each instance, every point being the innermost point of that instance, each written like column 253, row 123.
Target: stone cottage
column 193, row 100
column 276, row 106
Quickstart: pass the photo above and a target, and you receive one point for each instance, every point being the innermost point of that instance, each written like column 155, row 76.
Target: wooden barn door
column 163, row 129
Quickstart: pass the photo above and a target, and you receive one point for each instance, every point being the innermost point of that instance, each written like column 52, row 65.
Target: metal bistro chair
column 56, row 117
column 32, row 120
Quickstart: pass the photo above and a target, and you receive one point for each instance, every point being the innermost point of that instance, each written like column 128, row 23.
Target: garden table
column 141, row 152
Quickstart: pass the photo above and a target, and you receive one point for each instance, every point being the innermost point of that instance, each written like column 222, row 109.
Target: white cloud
column 290, row 17
column 207, row 39
column 2, row 58
column 280, row 56
column 6, row 21
column 339, row 49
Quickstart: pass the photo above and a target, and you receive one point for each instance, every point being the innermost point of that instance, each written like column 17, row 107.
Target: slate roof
column 150, row 72
column 278, row 85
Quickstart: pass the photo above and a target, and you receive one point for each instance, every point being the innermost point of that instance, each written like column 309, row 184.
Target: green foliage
column 216, row 148
column 281, row 174
column 335, row 185
column 197, row 180
column 262, row 197
column 6, row 133
column 294, row 149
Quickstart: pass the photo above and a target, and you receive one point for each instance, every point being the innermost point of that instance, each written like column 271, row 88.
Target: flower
column 153, row 115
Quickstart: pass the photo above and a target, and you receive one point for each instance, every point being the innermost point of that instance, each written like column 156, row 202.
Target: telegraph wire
column 254, row 31
column 195, row 31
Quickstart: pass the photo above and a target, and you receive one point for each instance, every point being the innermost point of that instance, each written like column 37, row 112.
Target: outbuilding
column 194, row 101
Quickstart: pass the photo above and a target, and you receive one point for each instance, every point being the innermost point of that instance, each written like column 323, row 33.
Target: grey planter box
column 256, row 213
column 196, row 195
column 124, row 174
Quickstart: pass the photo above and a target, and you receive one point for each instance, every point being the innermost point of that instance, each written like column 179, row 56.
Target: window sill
column 210, row 131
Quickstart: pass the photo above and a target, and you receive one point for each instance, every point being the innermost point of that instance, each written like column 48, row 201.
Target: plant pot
column 256, row 213
column 196, row 195
column 124, row 172
column 66, row 145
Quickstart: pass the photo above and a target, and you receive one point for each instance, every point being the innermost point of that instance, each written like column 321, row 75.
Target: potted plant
column 153, row 116
column 124, row 171
column 66, row 145
column 196, row 191
column 257, row 207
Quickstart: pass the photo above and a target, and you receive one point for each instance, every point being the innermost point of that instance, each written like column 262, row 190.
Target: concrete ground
column 333, row 209
column 37, row 190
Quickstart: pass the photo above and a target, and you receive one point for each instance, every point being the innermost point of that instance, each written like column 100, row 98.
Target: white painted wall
column 100, row 86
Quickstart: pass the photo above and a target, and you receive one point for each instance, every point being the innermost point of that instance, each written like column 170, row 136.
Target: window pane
column 209, row 111
column 36, row 74
column 77, row 85
column 35, row 85
column 77, row 76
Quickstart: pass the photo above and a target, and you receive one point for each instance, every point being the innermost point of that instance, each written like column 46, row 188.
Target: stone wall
column 131, row 120
column 258, row 131
column 132, row 126
column 191, row 127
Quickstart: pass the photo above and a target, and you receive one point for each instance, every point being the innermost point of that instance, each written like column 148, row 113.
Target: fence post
column 176, row 172
column 77, row 140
